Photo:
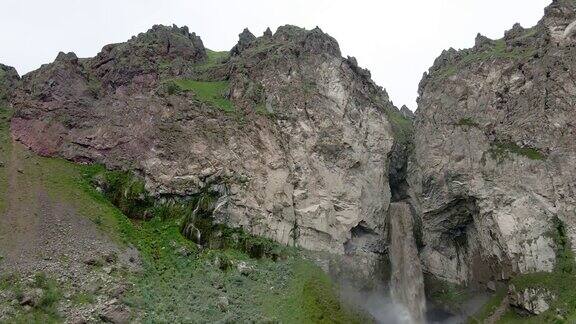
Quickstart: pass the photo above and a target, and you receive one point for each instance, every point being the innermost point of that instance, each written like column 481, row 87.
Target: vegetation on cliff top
column 496, row 50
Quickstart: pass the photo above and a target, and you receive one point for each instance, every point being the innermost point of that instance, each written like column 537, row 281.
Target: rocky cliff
column 294, row 139
column 493, row 169
column 298, row 144
column 8, row 81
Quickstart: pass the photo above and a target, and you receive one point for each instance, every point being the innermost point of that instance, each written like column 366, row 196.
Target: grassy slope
column 4, row 154
column 213, row 92
column 215, row 58
column 177, row 286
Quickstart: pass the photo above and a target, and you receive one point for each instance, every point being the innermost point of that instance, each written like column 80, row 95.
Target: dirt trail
column 16, row 224
column 39, row 234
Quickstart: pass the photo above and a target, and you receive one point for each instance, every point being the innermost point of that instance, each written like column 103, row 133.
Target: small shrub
column 172, row 88
column 467, row 122
column 125, row 191
column 214, row 59
column 500, row 151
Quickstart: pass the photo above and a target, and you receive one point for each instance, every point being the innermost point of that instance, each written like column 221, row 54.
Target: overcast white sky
column 397, row 40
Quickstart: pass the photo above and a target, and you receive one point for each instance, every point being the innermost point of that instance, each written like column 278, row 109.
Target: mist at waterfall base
column 377, row 303
column 380, row 306
column 403, row 299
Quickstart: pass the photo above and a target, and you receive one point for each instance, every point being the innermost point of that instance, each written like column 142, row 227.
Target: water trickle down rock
column 407, row 282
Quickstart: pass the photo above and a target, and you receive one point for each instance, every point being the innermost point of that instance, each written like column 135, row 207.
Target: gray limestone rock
column 495, row 155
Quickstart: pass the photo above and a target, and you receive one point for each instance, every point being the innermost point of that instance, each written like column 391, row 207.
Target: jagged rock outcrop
column 244, row 41
column 299, row 152
column 406, row 112
column 494, row 164
column 8, row 80
column 141, row 60
column 534, row 301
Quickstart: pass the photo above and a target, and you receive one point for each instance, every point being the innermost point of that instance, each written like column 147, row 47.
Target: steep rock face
column 495, row 161
column 333, row 131
column 8, row 80
column 300, row 154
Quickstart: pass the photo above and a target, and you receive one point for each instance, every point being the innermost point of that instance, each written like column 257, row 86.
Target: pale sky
column 396, row 40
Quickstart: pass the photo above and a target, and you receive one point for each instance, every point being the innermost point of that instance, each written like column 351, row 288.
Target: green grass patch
column 214, row 60
column 501, row 150
column 212, row 92
column 83, row 298
column 216, row 57
column 489, row 308
column 497, row 50
column 45, row 308
column 311, row 298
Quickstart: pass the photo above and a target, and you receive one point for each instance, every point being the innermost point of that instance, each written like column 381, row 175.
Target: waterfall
column 407, row 282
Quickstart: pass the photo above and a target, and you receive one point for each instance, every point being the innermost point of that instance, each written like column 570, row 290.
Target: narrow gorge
column 161, row 181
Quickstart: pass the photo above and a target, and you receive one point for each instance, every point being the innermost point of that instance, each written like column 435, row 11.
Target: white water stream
column 407, row 282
